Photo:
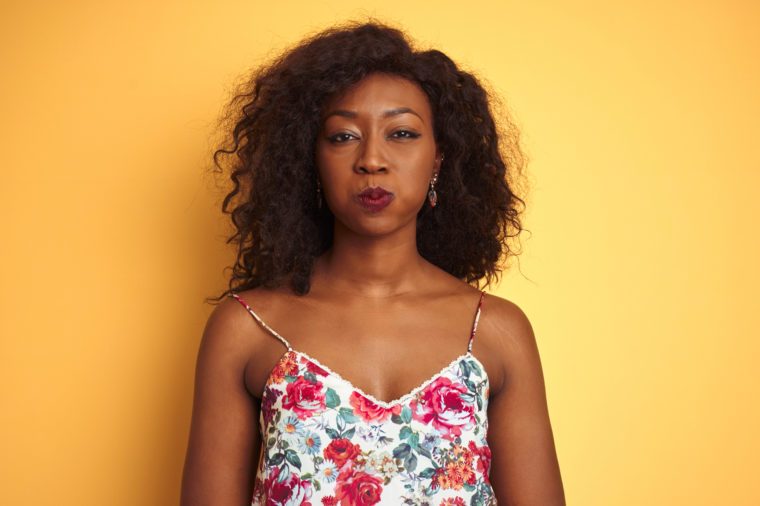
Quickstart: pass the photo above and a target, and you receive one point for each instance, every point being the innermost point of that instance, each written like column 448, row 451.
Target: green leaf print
column 396, row 419
column 410, row 462
column 465, row 367
column 427, row 473
column 276, row 459
column 401, row 451
column 484, row 492
column 406, row 414
column 334, row 434
column 332, row 399
column 475, row 367
column 410, row 436
column 347, row 414
column 482, row 496
column 292, row 457
column 424, row 452
column 468, row 398
column 414, row 440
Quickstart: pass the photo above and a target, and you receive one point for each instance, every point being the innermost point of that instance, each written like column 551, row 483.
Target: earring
column 319, row 195
column 432, row 196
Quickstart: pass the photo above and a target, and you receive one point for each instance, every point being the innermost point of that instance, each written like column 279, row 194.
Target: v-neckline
column 351, row 385
column 400, row 401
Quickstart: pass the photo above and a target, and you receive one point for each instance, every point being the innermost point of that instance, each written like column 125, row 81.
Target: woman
column 353, row 360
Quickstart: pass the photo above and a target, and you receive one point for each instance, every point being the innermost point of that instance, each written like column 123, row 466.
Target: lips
column 375, row 199
column 374, row 193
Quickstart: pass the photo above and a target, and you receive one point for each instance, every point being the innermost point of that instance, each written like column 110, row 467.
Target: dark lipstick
column 375, row 199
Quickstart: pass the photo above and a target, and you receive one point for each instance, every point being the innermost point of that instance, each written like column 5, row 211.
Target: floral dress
column 326, row 442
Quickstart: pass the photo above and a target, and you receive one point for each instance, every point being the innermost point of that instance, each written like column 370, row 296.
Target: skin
column 395, row 319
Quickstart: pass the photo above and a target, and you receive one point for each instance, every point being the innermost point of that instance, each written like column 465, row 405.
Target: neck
column 372, row 266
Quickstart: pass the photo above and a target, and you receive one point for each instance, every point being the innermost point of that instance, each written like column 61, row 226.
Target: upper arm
column 224, row 440
column 524, row 466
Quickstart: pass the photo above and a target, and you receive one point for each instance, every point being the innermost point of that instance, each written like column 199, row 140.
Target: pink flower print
column 369, row 411
column 304, row 398
column 442, row 405
column 292, row 490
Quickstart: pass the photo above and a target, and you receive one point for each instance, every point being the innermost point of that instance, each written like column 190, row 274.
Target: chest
column 302, row 389
column 383, row 369
column 322, row 434
column 384, row 356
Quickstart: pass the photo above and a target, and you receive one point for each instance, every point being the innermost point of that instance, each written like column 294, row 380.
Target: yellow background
column 640, row 273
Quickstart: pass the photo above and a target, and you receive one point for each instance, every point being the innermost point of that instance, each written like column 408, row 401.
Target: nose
column 371, row 156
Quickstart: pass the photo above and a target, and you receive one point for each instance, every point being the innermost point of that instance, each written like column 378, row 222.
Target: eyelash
column 412, row 135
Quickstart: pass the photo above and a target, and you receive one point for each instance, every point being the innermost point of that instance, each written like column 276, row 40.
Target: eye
column 407, row 134
column 339, row 138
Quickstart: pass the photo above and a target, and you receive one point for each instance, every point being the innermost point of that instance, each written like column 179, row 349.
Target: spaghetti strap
column 475, row 323
column 262, row 322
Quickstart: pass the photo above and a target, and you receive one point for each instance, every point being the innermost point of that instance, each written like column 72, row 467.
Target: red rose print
column 484, row 459
column 369, row 411
column 329, row 501
column 340, row 451
column 312, row 367
column 304, row 398
column 358, row 488
column 293, row 490
column 442, row 405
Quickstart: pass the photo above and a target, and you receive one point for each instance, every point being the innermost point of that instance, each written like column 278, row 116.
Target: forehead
column 378, row 92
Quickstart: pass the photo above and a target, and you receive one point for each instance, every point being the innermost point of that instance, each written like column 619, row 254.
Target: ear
column 438, row 160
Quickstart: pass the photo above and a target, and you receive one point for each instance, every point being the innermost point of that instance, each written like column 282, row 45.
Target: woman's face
column 379, row 133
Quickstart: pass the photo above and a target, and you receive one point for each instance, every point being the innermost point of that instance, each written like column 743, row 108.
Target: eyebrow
column 386, row 114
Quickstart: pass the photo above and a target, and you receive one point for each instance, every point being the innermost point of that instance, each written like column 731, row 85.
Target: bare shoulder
column 505, row 329
column 224, row 431
column 507, row 320
column 231, row 326
column 524, row 467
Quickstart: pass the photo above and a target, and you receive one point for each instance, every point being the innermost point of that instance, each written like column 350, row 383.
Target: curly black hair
column 274, row 120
